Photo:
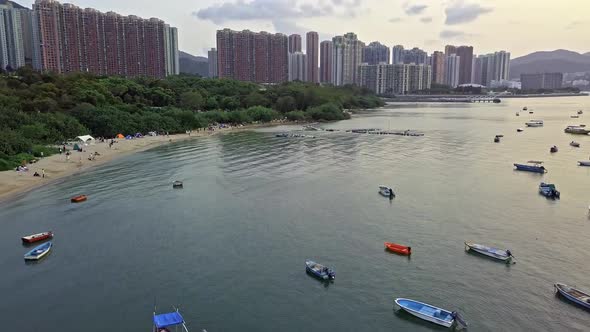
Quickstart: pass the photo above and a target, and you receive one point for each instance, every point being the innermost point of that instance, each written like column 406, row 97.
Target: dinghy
column 386, row 191
column 574, row 295
column 177, row 184
column 553, row 149
column 37, row 237
column 575, row 144
column 398, row 248
column 79, row 199
column 430, row 313
column 584, row 163
column 38, row 252
column 549, row 190
column 319, row 271
column 499, row 254
column 533, row 166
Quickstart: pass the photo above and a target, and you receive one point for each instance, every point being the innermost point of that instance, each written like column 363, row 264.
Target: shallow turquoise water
column 230, row 247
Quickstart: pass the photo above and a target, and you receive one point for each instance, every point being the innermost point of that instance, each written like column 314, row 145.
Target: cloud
column 426, row 19
column 452, row 34
column 395, row 20
column 461, row 12
column 274, row 10
column 414, row 9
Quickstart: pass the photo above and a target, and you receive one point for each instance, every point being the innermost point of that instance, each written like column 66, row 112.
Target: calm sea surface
column 230, row 247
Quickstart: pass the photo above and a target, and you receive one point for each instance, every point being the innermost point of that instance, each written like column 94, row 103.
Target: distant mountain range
column 195, row 65
column 550, row 61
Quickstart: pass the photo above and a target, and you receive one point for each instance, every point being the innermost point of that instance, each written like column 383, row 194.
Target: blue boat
column 574, row 295
column 548, row 190
column 319, row 271
column 163, row 321
column 430, row 313
column 38, row 252
column 531, row 166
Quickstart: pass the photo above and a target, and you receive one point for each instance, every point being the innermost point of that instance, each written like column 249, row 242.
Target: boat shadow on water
column 402, row 314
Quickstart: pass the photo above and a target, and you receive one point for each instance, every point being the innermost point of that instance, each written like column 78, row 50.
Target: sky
column 516, row 26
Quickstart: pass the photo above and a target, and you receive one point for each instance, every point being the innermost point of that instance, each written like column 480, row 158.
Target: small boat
column 38, row 252
column 496, row 139
column 163, row 321
column 386, row 191
column 79, row 199
column 500, row 136
column 282, row 135
column 531, row 112
column 430, row 313
column 499, row 254
column 584, row 163
column 575, row 144
column 574, row 116
column 580, row 112
column 548, row 190
column 37, row 237
column 534, row 123
column 532, row 166
column 519, row 130
column 580, row 130
column 319, row 271
column 573, row 294
column 525, row 108
column 553, row 149
column 517, row 114
column 177, row 184
column 398, row 248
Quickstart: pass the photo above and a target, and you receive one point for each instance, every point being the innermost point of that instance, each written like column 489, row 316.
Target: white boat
column 584, row 163
column 534, row 123
column 38, row 252
column 577, row 130
column 386, row 191
column 499, row 254
column 575, row 144
column 430, row 313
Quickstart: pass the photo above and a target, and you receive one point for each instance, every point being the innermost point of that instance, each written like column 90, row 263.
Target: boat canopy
column 170, row 319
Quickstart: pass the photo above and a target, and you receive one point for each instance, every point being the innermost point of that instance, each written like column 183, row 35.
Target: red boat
column 37, row 237
column 79, row 199
column 398, row 248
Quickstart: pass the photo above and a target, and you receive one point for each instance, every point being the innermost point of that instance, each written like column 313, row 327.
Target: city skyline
column 486, row 25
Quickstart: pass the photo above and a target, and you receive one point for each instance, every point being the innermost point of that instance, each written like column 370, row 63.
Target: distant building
column 398, row 79
column 450, row 49
column 541, row 81
column 312, row 51
column 437, row 61
column 297, row 66
column 258, row 57
column 346, row 58
column 212, row 59
column 397, row 54
column 375, row 53
column 415, row 55
column 466, row 55
column 452, row 69
column 505, row 84
column 491, row 67
column 294, row 43
column 326, row 48
column 16, row 39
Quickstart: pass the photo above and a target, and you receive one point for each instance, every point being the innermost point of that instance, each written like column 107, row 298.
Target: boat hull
column 583, row 299
column 398, row 248
column 37, row 237
column 427, row 315
column 79, row 199
column 38, row 252
column 530, row 168
column 494, row 253
column 584, row 163
column 316, row 270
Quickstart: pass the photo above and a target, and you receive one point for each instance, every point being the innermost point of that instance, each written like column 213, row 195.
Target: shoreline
column 14, row 185
column 468, row 98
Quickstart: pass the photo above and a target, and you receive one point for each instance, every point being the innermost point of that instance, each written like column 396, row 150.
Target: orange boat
column 398, row 248
column 79, row 199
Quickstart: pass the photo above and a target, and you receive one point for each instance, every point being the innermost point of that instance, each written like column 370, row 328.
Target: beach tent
column 128, row 137
column 138, row 135
column 86, row 139
column 120, row 136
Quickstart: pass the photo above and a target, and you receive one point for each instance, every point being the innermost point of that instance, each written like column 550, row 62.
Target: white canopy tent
column 86, row 139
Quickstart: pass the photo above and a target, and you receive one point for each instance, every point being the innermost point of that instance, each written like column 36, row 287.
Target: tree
column 285, row 104
column 191, row 100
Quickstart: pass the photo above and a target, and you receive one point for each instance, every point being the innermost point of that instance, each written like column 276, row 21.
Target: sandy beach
column 57, row 167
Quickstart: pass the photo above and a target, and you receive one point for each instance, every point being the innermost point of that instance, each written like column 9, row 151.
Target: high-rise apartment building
column 346, row 58
column 397, row 54
column 212, row 60
column 297, row 66
column 312, row 51
column 375, row 53
column 491, row 67
column 437, row 61
column 259, row 57
column 541, row 81
column 452, row 70
column 466, row 55
column 16, row 38
column 394, row 79
column 415, row 55
column 450, row 49
column 294, row 43
column 72, row 39
column 326, row 49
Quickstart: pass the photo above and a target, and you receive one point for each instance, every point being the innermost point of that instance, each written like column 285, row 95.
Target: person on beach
column 43, row 172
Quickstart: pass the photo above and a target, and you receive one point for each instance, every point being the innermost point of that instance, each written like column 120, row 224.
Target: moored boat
column 430, row 313
column 38, row 252
column 163, row 321
column 579, row 130
column 177, row 184
column 532, row 166
column 319, row 271
column 575, row 144
column 519, row 130
column 37, row 237
column 79, row 199
column 574, row 116
column 553, row 149
column 575, row 295
column 499, row 254
column 386, row 191
column 398, row 248
column 584, row 163
column 517, row 114
column 549, row 190
column 534, row 123
column 580, row 112
column 525, row 108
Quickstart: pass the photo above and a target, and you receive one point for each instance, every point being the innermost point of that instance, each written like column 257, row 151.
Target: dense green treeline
column 39, row 109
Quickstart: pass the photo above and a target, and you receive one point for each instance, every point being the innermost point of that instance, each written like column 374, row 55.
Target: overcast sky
column 517, row 26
